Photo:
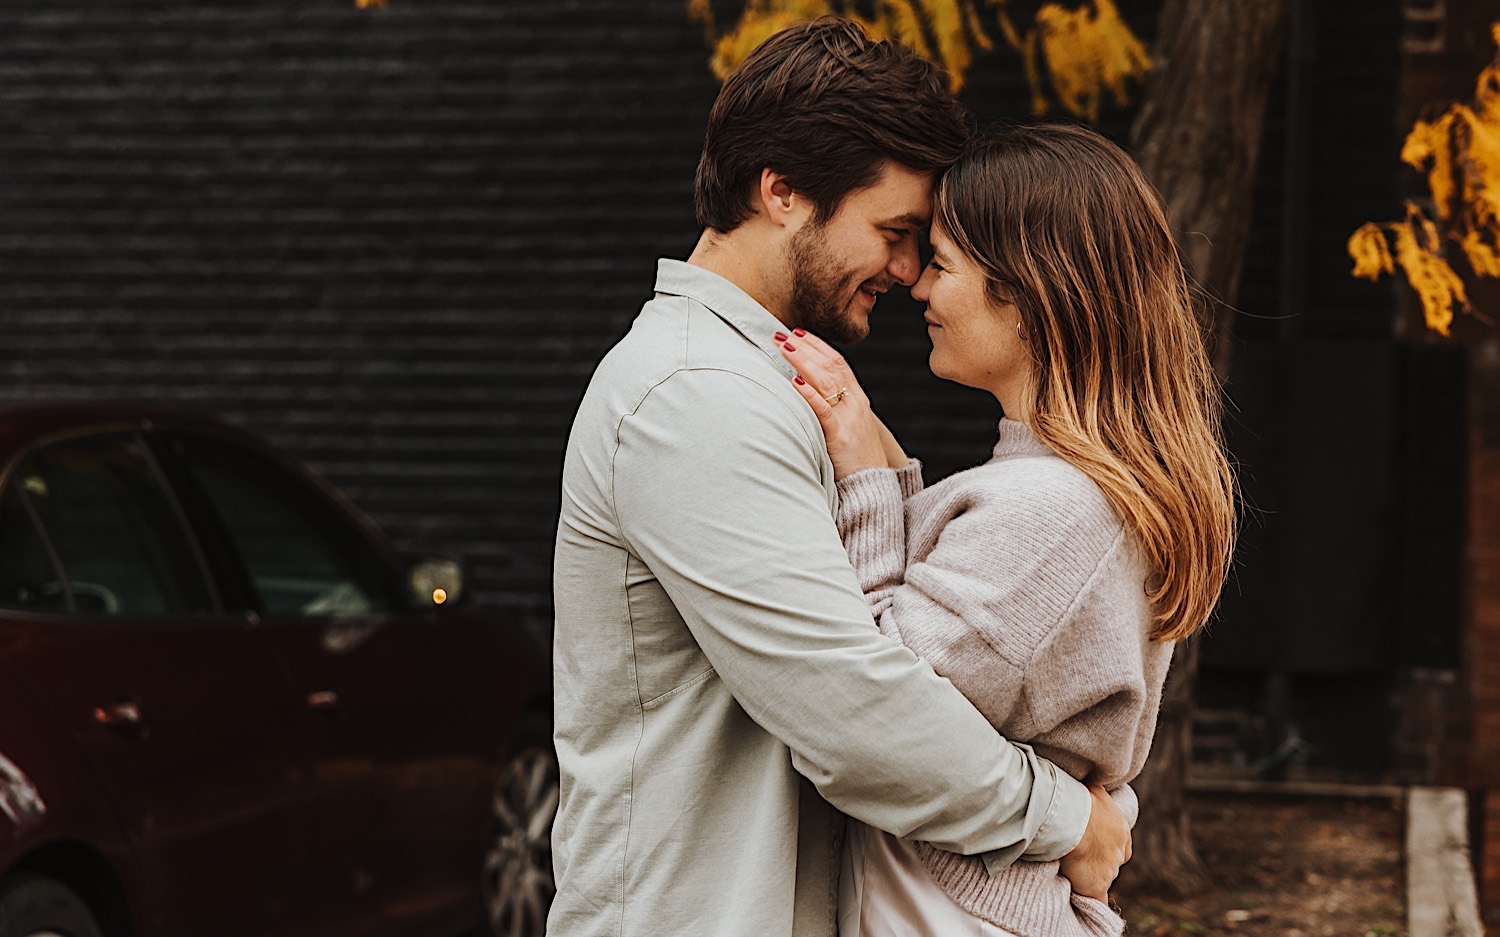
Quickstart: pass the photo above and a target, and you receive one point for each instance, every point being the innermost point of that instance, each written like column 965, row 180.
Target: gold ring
column 838, row 398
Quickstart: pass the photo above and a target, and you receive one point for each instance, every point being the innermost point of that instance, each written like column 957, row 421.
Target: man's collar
column 728, row 302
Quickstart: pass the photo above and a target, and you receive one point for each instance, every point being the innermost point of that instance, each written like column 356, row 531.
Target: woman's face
column 975, row 342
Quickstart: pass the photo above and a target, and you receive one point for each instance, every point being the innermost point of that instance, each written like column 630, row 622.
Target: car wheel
column 517, row 883
column 34, row 906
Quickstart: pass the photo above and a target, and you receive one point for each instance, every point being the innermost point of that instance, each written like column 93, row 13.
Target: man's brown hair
column 826, row 107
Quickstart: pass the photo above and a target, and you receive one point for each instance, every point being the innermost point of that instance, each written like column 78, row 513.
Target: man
column 722, row 694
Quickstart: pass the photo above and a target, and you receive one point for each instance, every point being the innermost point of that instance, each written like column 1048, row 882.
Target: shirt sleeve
column 718, row 486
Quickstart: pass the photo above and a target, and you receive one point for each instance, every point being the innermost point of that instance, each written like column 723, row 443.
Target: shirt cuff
column 1062, row 827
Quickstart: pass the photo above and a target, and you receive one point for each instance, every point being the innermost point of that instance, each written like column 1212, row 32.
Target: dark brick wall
column 394, row 241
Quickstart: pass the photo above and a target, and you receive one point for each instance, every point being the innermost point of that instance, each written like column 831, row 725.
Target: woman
column 1050, row 583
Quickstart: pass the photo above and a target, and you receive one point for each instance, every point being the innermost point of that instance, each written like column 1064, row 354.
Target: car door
column 397, row 740
column 185, row 710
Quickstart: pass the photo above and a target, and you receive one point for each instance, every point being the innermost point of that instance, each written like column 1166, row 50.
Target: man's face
column 838, row 268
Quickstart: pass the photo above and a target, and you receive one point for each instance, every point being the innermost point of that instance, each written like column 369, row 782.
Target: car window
column 28, row 578
column 115, row 531
column 304, row 556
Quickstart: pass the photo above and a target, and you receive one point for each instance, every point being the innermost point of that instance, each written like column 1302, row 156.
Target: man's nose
column 906, row 266
column 920, row 289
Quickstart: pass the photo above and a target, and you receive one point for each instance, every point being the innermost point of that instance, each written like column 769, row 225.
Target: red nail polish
column 789, row 346
column 798, row 379
column 799, row 332
column 780, row 336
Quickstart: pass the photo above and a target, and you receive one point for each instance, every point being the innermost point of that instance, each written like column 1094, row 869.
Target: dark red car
column 228, row 707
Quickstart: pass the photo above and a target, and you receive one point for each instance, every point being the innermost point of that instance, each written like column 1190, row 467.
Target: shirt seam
column 615, row 510
column 1051, row 800
column 640, row 735
column 614, row 504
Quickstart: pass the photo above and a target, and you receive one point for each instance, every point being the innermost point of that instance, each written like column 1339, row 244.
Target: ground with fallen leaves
column 1313, row 867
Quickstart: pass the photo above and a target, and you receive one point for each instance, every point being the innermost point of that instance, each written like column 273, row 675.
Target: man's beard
column 821, row 292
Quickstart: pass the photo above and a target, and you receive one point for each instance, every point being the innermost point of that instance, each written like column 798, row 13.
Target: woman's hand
column 856, row 437
column 895, row 456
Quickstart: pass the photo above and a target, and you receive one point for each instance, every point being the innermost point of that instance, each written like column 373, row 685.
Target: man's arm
column 717, row 487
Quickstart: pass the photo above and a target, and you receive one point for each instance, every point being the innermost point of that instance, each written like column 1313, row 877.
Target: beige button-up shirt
column 722, row 694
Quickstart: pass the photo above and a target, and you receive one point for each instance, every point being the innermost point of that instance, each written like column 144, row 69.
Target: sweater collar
column 1017, row 439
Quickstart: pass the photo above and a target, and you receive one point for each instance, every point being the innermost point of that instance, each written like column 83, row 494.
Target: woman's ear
column 783, row 206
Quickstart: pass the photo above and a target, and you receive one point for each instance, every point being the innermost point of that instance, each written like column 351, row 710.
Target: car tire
column 36, row 906
column 517, row 881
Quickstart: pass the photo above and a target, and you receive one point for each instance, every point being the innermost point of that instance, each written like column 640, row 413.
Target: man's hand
column 1093, row 864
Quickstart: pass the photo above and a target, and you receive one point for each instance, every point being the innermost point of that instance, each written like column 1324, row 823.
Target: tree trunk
column 1197, row 137
column 1198, row 132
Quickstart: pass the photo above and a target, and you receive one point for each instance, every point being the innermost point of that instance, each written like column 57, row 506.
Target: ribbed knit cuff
column 910, row 478
column 872, row 524
column 1029, row 899
column 1130, row 805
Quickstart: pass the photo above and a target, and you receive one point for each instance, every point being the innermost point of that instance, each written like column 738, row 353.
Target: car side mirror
column 436, row 581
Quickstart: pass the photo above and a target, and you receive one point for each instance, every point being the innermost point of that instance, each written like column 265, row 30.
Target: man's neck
column 746, row 265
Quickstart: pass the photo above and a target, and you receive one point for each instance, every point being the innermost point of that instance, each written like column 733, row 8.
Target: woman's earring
column 1020, row 334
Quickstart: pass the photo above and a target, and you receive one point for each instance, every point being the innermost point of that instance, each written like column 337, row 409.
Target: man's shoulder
column 678, row 344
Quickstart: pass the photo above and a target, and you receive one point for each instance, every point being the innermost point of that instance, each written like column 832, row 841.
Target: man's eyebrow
column 908, row 220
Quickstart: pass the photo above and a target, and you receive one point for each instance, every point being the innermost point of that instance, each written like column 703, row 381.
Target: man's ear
column 782, row 205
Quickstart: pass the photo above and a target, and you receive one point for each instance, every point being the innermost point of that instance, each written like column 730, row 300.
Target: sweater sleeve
column 1021, row 603
column 910, row 478
column 872, row 524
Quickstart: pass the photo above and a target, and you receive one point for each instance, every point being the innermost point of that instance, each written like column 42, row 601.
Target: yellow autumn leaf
column 1089, row 51
column 1370, row 252
column 955, row 26
column 1478, row 146
column 899, row 21
column 1459, row 153
column 1482, row 256
column 1437, row 285
column 758, row 23
column 1123, row 58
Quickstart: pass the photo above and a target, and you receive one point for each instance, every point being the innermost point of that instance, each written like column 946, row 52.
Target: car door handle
column 118, row 716
column 323, row 701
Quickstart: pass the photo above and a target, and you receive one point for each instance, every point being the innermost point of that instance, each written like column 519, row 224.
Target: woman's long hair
column 1066, row 226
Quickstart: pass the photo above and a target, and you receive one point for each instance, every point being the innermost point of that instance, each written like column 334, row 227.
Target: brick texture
column 394, row 241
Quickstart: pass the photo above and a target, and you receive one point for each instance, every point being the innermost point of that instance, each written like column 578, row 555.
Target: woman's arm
column 872, row 525
column 1031, row 602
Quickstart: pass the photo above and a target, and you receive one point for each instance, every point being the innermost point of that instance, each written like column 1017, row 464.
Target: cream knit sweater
column 1017, row 582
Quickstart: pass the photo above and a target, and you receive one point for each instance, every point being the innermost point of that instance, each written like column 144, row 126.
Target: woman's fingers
column 835, row 370
column 811, row 366
column 820, row 406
